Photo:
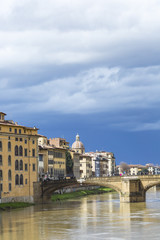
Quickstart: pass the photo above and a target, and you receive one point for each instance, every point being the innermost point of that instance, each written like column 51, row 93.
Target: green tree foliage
column 145, row 171
column 69, row 163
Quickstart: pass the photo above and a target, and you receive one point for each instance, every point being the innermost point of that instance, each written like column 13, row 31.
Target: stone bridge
column 44, row 190
column 130, row 188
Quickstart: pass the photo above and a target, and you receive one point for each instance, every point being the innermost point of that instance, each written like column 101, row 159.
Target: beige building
column 76, row 163
column 58, row 142
column 85, row 166
column 131, row 169
column 18, row 160
column 85, row 160
column 111, row 161
column 99, row 164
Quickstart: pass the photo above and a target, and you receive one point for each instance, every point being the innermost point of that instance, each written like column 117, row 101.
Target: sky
column 88, row 67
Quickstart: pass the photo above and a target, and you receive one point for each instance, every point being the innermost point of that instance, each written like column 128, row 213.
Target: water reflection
column 93, row 217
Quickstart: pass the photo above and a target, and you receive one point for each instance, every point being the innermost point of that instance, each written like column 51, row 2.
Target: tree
column 145, row 171
column 124, row 167
column 69, row 163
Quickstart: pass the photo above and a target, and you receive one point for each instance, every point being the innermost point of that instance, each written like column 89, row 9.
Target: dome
column 78, row 145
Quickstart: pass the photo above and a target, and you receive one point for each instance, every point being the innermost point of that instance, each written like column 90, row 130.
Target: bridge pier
column 132, row 190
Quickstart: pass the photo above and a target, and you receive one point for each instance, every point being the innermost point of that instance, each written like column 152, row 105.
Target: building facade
column 76, row 163
column 52, row 160
column 18, row 161
column 58, row 142
column 85, row 166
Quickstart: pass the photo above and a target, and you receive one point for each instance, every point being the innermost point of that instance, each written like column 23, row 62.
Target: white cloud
column 61, row 32
column 147, row 126
column 96, row 90
column 110, row 49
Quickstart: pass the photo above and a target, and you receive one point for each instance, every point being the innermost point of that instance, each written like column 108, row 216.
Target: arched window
column 9, row 160
column 21, row 165
column 16, row 165
column 9, row 175
column 16, row 179
column 20, row 151
column 0, row 145
column 9, row 146
column 1, row 175
column 1, row 162
column 21, row 179
column 16, row 150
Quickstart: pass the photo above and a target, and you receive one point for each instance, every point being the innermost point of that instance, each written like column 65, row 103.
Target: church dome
column 78, row 145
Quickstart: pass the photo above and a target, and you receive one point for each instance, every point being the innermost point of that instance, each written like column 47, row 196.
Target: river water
column 94, row 217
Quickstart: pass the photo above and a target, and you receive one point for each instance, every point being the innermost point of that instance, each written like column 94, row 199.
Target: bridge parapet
column 130, row 188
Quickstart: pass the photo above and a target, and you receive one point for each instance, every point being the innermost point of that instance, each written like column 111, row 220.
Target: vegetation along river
column 93, row 217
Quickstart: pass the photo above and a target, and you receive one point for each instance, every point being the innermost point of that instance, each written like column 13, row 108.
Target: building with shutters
column 18, row 160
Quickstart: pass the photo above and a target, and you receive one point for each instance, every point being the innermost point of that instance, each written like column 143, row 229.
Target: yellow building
column 18, row 161
column 52, row 160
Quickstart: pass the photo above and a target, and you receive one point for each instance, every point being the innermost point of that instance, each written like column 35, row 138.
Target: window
column 9, row 160
column 9, row 146
column 50, row 162
column 10, row 129
column 24, row 131
column 58, row 155
column 25, row 141
column 9, row 187
column 20, row 151
column 26, row 167
column 34, row 167
column 25, row 152
column 33, row 142
column 33, row 152
column 25, row 181
column 15, row 130
column 19, row 131
column 16, row 179
column 16, row 139
column 21, row 179
column 20, row 139
column 0, row 145
column 16, row 150
column 40, row 157
column 1, row 162
column 16, row 165
column 21, row 165
column 9, row 175
column 1, row 175
column 1, row 187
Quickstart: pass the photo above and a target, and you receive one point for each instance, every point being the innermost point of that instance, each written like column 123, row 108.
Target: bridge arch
column 114, row 183
column 153, row 184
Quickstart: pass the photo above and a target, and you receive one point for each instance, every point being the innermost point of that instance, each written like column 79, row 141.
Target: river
column 93, row 217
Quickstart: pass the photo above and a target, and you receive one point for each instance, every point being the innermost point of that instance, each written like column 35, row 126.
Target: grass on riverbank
column 14, row 205
column 65, row 196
